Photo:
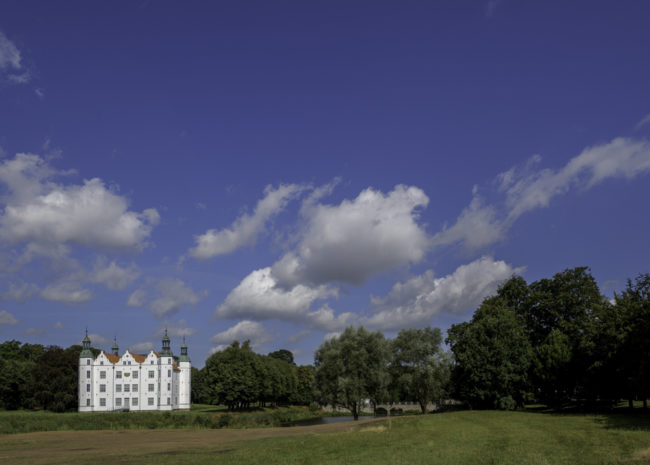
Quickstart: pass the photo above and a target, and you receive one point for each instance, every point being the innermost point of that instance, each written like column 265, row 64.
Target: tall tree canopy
column 492, row 357
column 352, row 368
column 420, row 367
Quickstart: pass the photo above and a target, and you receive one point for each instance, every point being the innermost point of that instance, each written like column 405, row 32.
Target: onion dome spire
column 86, row 352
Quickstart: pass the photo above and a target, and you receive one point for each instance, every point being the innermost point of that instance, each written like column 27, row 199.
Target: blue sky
column 280, row 170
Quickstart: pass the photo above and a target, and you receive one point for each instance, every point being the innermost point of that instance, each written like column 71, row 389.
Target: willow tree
column 352, row 369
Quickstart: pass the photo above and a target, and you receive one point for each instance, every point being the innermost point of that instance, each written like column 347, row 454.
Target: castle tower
column 115, row 349
column 86, row 376
column 185, row 379
column 166, row 395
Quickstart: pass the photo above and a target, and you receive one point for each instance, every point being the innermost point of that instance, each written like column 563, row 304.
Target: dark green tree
column 492, row 357
column 351, row 369
column 232, row 376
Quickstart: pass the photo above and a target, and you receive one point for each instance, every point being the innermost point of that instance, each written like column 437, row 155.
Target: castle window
column 118, row 388
column 169, row 373
column 87, row 373
column 102, row 402
column 118, row 374
column 169, row 386
column 152, row 362
column 151, row 388
column 87, row 402
column 135, row 388
column 135, row 375
column 102, row 375
column 101, row 363
column 127, row 387
column 88, row 362
column 102, row 388
column 150, row 401
column 134, row 401
column 87, row 387
column 118, row 402
column 169, row 401
column 152, row 373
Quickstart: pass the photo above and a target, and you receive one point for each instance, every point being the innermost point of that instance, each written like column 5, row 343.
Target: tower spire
column 85, row 343
column 166, row 351
column 116, row 350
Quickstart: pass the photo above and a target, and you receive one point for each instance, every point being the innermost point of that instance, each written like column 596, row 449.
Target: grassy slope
column 466, row 438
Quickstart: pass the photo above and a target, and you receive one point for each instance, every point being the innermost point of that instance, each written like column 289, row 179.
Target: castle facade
column 135, row 382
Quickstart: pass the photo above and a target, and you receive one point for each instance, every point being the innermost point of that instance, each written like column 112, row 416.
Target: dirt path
column 66, row 447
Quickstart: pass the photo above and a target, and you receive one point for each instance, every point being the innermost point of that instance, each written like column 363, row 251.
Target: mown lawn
column 463, row 438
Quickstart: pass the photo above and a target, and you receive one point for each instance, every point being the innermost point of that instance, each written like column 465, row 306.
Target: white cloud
column 112, row 275
column 259, row 297
column 491, row 6
column 418, row 300
column 69, row 292
column 299, row 336
column 137, row 298
column 332, row 335
column 97, row 340
column 245, row 229
column 357, row 239
column 20, row 292
column 41, row 212
column 57, row 325
column 528, row 188
column 11, row 66
column 477, row 226
column 7, row 318
column 242, row 331
column 176, row 329
column 9, row 54
column 620, row 158
column 165, row 296
column 141, row 348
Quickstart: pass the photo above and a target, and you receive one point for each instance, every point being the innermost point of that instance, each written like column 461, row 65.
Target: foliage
column 420, row 368
column 492, row 355
column 352, row 368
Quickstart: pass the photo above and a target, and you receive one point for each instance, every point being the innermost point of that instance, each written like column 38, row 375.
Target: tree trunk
column 645, row 404
column 630, row 403
column 423, row 406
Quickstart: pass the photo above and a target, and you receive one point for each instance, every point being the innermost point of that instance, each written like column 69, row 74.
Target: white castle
column 134, row 382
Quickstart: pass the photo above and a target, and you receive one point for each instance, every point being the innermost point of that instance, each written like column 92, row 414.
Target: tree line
column 552, row 341
column 239, row 378
column 36, row 377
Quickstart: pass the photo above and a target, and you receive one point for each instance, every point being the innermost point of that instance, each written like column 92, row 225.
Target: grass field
column 200, row 417
column 467, row 437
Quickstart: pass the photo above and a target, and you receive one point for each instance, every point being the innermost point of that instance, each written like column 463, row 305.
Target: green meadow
column 458, row 438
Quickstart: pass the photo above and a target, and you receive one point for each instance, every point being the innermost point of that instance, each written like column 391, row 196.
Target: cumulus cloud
column 242, row 331
column 419, row 299
column 7, row 318
column 68, row 292
column 97, row 340
column 112, row 275
column 165, row 297
column 141, row 348
column 245, row 230
column 528, row 187
column 259, row 297
column 137, row 298
column 176, row 329
column 357, row 239
column 40, row 211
